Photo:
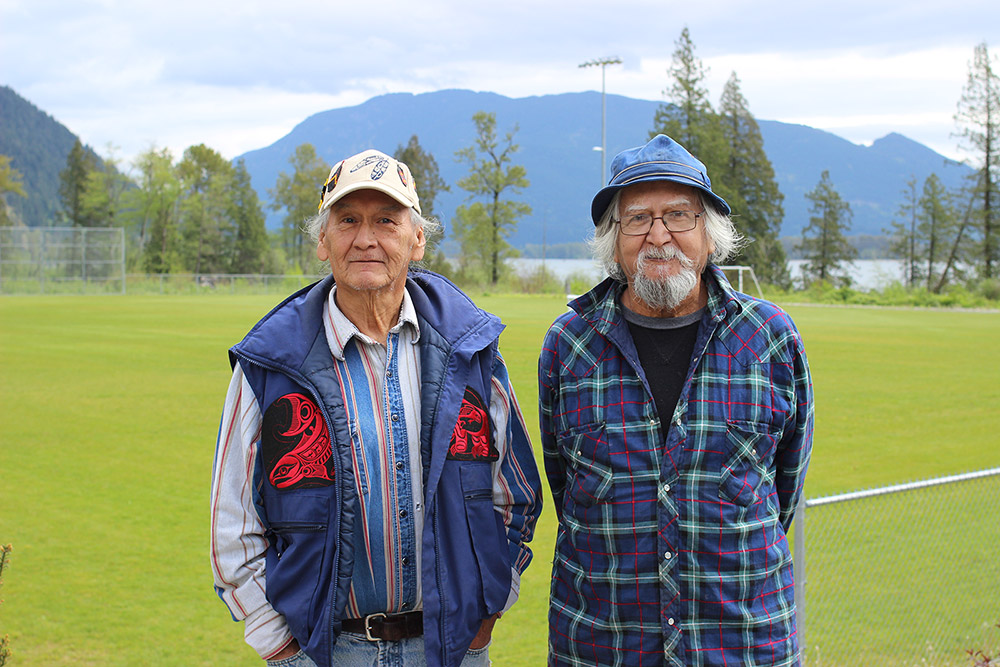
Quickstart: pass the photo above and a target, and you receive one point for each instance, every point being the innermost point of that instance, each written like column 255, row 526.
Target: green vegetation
column 299, row 196
column 10, row 183
column 482, row 227
column 982, row 295
column 37, row 145
column 428, row 183
column 978, row 121
column 730, row 144
column 111, row 406
column 72, row 184
column 824, row 241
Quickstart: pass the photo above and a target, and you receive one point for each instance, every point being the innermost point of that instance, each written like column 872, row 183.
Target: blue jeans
column 355, row 651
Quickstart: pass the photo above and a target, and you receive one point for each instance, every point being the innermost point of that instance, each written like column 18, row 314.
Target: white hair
column 313, row 225
column 718, row 226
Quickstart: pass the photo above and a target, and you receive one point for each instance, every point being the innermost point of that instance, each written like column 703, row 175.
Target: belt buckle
column 368, row 629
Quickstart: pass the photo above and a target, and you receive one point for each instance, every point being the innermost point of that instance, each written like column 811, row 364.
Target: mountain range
column 557, row 136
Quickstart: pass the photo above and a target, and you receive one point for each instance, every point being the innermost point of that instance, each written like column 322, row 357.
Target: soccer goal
column 62, row 260
column 741, row 270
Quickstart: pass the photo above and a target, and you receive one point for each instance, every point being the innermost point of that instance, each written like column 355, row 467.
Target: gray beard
column 668, row 292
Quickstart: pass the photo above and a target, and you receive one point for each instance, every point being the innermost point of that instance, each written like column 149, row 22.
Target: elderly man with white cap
column 374, row 488
column 676, row 424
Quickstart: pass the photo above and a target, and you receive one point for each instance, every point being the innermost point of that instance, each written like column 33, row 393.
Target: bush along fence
column 902, row 575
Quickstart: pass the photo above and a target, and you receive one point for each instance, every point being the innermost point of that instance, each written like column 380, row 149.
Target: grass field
column 111, row 405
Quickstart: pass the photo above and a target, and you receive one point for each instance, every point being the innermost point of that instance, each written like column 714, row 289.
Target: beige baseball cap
column 370, row 170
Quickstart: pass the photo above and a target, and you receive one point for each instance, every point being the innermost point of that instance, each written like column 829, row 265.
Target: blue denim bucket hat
column 662, row 159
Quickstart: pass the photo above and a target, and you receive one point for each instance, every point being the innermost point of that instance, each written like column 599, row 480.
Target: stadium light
column 603, row 63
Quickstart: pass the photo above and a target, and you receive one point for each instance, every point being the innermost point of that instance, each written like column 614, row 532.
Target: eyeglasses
column 639, row 224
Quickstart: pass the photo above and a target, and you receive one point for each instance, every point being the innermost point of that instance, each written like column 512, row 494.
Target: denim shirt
column 381, row 386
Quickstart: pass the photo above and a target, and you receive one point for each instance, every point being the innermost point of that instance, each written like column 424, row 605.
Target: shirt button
column 395, row 417
column 402, row 514
column 405, row 605
column 670, row 621
column 666, row 556
column 678, row 422
column 404, row 560
column 666, row 487
column 400, row 465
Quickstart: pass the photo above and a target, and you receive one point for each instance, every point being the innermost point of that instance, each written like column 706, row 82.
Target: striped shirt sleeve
column 516, row 485
column 238, row 542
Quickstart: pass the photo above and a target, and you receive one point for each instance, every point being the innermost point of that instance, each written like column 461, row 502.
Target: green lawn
column 111, row 405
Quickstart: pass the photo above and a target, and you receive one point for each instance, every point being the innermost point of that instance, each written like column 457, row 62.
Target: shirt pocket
column 747, row 475
column 588, row 457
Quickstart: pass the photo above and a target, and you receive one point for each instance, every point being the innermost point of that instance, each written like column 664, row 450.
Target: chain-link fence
column 901, row 576
column 62, row 260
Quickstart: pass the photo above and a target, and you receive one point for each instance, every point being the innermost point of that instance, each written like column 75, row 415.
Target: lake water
column 866, row 273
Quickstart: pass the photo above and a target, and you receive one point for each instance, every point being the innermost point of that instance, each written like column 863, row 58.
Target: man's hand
column 485, row 633
column 286, row 652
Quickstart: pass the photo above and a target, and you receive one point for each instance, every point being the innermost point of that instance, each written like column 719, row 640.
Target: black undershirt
column 665, row 346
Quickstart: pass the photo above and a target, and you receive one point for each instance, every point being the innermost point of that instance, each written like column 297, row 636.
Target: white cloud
column 237, row 75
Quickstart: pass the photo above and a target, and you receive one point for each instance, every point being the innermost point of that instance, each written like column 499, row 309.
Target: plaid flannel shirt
column 671, row 547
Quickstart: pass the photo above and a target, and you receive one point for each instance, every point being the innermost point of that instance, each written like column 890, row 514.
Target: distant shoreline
column 866, row 274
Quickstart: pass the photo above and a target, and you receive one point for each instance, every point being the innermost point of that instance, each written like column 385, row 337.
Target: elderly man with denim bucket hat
column 374, row 489
column 676, row 422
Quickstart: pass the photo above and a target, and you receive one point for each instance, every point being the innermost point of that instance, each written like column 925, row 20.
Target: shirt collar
column 340, row 330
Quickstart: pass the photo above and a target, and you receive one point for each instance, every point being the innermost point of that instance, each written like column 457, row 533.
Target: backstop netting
column 62, row 260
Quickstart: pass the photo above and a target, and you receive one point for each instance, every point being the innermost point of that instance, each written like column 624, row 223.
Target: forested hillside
column 38, row 145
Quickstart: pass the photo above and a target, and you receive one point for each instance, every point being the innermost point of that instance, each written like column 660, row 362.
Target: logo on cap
column 330, row 184
column 381, row 164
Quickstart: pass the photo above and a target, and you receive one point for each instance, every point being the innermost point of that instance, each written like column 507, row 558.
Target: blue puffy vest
column 465, row 558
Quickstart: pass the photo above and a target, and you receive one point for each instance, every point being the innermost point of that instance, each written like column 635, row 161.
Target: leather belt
column 388, row 627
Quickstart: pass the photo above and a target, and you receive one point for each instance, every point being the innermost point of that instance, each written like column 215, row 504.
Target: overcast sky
column 240, row 75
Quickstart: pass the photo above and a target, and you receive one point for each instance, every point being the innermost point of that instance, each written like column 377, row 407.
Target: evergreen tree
column 903, row 233
column 72, row 182
column 10, row 183
column 251, row 249
column 978, row 119
column 824, row 244
column 961, row 251
column 298, row 195
column 428, row 182
column 935, row 226
column 101, row 199
column 426, row 175
column 748, row 183
column 483, row 227
column 690, row 120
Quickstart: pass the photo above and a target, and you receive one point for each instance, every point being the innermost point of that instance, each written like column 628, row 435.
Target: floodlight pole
column 603, row 63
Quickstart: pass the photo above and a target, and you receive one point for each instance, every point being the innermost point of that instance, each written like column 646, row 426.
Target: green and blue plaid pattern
column 671, row 547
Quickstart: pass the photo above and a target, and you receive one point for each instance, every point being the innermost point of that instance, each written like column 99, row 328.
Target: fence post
column 799, row 566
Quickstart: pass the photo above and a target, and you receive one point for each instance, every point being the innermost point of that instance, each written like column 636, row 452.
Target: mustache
column 666, row 252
